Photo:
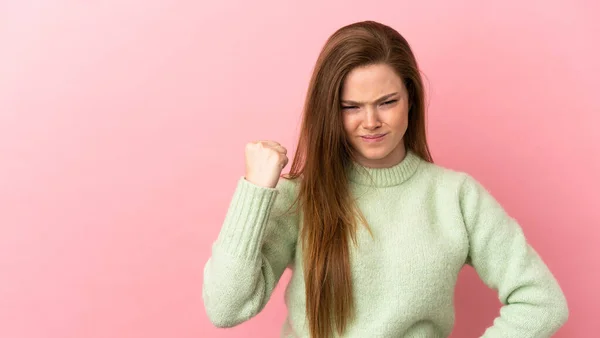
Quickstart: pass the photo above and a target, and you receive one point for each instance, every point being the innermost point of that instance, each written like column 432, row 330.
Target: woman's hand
column 264, row 162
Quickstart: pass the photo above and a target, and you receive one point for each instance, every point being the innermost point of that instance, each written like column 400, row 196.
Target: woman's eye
column 348, row 107
column 390, row 102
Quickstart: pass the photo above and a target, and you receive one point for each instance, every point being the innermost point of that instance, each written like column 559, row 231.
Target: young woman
column 375, row 233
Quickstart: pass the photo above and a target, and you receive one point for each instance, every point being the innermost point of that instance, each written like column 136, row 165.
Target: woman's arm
column 254, row 246
column 534, row 304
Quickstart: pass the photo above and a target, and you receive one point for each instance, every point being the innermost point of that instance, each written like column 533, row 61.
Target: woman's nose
column 371, row 119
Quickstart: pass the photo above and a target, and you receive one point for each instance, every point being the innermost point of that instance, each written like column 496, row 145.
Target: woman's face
column 375, row 103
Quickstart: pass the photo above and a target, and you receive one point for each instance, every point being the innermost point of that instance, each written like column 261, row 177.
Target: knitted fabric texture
column 427, row 222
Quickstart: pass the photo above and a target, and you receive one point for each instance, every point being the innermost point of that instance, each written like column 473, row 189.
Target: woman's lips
column 373, row 138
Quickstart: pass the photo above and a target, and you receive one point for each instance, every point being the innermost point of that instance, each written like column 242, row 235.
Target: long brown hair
column 323, row 155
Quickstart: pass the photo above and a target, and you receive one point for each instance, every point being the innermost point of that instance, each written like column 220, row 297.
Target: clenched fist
column 264, row 162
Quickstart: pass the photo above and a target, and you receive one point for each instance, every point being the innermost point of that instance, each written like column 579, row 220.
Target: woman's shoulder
column 443, row 179
column 459, row 183
column 440, row 172
column 288, row 186
column 289, row 181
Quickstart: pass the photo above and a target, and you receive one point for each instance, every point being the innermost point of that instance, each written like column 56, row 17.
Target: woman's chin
column 374, row 155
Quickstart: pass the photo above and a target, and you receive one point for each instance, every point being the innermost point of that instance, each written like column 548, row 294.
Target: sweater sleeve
column 254, row 246
column 533, row 302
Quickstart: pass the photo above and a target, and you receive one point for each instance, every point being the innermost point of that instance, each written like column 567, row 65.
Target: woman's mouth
column 373, row 138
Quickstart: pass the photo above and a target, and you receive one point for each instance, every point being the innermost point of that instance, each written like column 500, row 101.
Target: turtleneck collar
column 385, row 177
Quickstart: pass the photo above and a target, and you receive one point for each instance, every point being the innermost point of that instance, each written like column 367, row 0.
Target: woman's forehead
column 370, row 83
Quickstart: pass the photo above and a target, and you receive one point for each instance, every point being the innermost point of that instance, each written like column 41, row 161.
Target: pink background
column 123, row 125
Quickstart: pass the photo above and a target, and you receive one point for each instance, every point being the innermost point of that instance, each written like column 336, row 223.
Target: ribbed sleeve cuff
column 246, row 220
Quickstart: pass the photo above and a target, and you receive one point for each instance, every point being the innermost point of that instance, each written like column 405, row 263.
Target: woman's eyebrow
column 385, row 97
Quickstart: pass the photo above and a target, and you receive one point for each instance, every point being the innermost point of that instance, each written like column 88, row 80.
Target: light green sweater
column 427, row 223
